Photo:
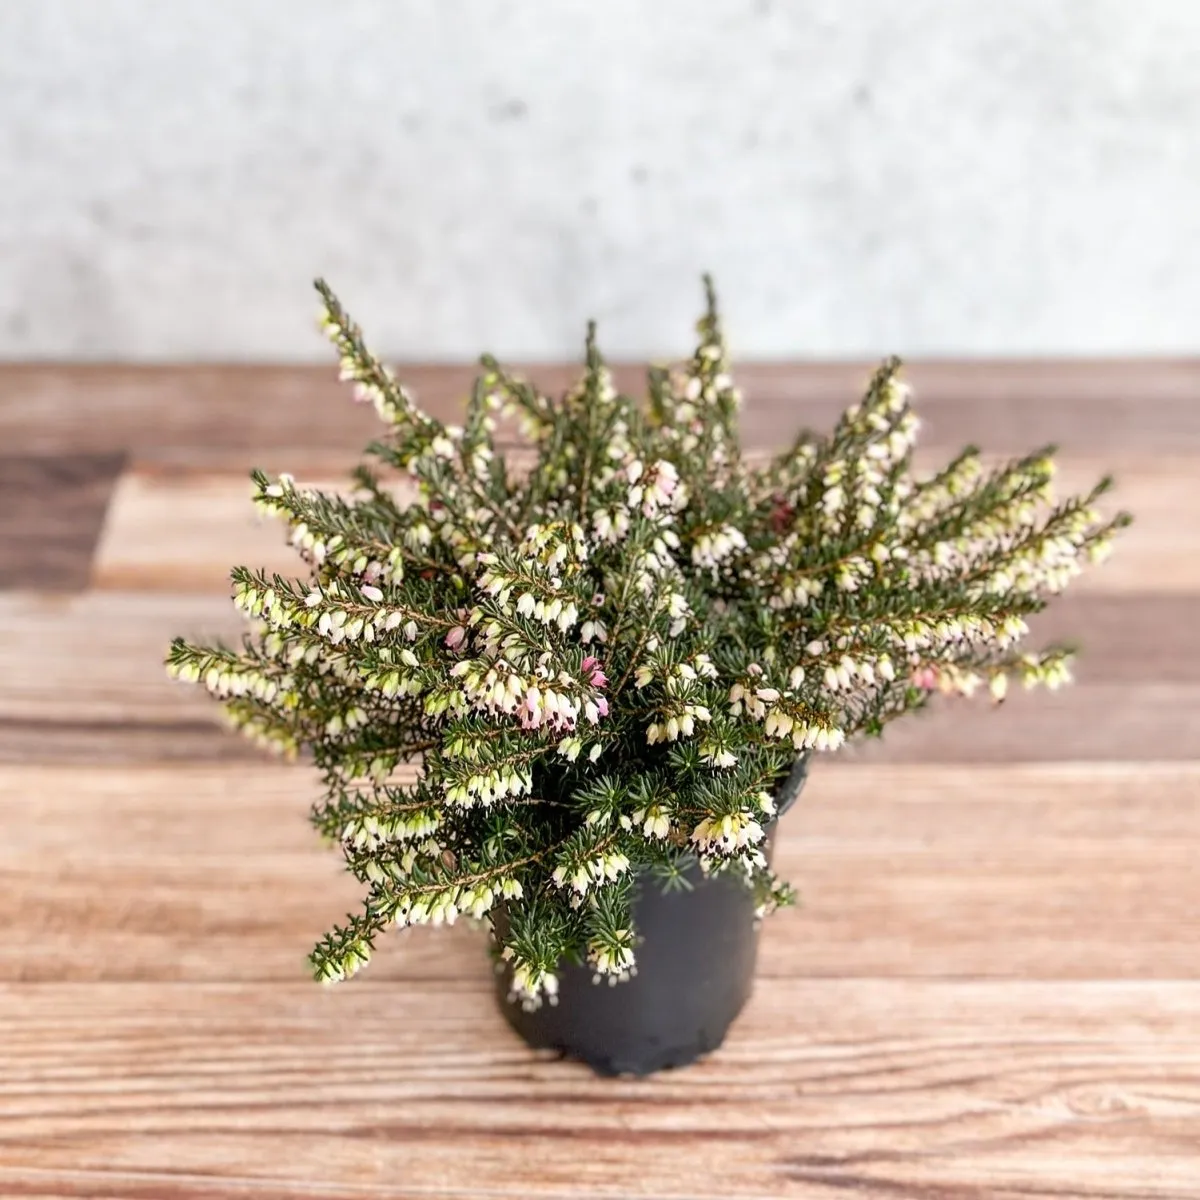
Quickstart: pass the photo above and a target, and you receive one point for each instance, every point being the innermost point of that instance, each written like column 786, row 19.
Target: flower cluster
column 605, row 663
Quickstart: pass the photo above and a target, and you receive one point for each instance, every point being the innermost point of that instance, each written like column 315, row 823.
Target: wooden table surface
column 991, row 989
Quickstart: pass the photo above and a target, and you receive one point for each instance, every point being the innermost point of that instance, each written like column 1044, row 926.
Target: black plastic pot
column 695, row 972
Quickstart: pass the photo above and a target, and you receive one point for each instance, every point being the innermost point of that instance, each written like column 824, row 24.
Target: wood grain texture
column 183, row 531
column 51, row 512
column 102, row 695
column 825, row 1088
column 1060, row 871
column 991, row 988
column 236, row 415
column 106, row 679
column 179, row 529
column 34, row 740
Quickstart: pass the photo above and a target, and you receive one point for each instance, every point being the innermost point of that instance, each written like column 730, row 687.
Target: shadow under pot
column 695, row 971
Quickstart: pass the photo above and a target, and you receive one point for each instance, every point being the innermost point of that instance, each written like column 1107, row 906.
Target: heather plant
column 526, row 688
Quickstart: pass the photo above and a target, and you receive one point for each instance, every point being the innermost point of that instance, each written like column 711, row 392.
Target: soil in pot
column 696, row 958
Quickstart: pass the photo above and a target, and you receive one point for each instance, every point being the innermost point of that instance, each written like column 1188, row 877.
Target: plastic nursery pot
column 695, row 972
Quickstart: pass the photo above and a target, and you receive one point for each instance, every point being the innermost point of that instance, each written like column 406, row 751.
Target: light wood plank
column 1139, row 695
column 1092, row 722
column 870, row 1087
column 100, row 658
column 182, row 531
column 1073, row 871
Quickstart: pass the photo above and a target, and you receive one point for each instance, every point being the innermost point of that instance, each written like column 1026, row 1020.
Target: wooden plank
column 825, row 1088
column 84, row 680
column 180, row 532
column 51, row 511
column 237, row 409
column 1085, row 722
column 1125, row 638
column 100, row 658
column 990, row 989
column 1144, row 406
column 184, row 533
column 1139, row 695
column 34, row 740
column 208, row 874
column 183, row 530
column 239, row 415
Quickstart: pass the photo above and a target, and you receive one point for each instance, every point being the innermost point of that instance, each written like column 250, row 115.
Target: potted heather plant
column 572, row 700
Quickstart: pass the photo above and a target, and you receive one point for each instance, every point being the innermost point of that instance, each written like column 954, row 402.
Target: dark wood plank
column 300, row 418
column 826, row 1089
column 122, row 740
column 1007, row 407
column 51, row 513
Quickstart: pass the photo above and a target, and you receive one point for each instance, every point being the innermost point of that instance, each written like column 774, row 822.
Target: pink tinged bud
column 599, row 679
column 456, row 637
column 589, row 663
column 925, row 677
column 602, row 706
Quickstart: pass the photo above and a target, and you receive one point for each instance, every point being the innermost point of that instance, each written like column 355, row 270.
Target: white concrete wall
column 861, row 175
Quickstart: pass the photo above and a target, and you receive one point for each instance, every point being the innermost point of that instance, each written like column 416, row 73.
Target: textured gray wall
column 861, row 175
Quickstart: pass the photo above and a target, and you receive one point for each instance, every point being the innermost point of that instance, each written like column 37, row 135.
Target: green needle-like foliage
column 523, row 686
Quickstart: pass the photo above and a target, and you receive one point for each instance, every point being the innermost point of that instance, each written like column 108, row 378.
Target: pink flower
column 456, row 637
column 593, row 672
column 602, row 706
column 925, row 677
